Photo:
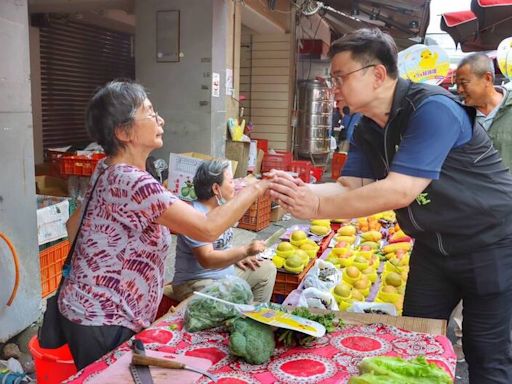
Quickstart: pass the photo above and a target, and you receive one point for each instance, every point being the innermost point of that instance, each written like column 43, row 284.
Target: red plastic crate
column 79, row 165
column 51, row 260
column 257, row 217
column 262, row 144
column 317, row 173
column 279, row 160
column 287, row 282
column 302, row 168
column 338, row 162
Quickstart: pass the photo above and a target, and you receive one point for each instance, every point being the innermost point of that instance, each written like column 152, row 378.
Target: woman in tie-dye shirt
column 116, row 277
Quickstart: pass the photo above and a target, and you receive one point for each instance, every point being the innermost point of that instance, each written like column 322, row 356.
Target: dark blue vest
column 470, row 206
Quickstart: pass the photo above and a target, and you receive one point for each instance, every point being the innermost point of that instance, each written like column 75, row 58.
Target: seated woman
column 199, row 263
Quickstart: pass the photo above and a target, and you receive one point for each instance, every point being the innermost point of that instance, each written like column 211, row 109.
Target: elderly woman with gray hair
column 198, row 263
column 121, row 234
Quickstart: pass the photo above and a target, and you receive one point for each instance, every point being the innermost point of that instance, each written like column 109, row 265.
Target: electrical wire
column 16, row 267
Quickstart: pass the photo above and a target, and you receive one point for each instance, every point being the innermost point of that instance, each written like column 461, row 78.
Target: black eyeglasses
column 337, row 80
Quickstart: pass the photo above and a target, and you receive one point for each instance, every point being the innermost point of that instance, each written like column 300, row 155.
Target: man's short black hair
column 369, row 46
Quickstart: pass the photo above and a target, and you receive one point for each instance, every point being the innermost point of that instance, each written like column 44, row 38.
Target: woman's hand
column 294, row 195
column 255, row 247
column 250, row 262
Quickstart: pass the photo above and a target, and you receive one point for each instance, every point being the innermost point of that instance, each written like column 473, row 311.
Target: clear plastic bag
column 324, row 276
column 315, row 298
column 203, row 313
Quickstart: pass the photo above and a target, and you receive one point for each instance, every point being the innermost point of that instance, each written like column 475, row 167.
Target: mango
column 321, row 222
column 406, row 246
column 347, row 239
column 356, row 295
column 352, row 272
column 370, row 244
column 342, row 290
column 371, row 236
column 294, row 264
column 298, row 235
column 319, row 230
column 347, row 230
column 393, row 279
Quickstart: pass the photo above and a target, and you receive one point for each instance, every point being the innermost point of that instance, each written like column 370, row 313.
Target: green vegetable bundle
column 394, row 370
column 203, row 313
column 252, row 341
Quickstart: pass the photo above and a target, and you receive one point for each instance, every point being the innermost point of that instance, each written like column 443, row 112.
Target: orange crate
column 303, row 168
column 257, row 216
column 51, row 260
column 287, row 282
column 338, row 162
column 279, row 160
column 79, row 165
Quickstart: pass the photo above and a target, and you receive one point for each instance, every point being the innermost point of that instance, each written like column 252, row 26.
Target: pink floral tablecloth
column 333, row 359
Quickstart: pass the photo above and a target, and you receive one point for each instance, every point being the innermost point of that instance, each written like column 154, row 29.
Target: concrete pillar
column 17, row 182
column 182, row 91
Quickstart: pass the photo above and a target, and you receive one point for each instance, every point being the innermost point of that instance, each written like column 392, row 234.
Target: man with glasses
column 417, row 150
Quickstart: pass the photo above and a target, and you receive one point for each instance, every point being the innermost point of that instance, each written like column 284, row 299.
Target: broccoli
column 250, row 340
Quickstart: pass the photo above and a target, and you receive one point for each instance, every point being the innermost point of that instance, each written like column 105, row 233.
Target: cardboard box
column 52, row 215
column 239, row 152
column 51, row 185
column 182, row 168
column 277, row 213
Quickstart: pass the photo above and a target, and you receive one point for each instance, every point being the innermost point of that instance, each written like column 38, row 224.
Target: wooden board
column 119, row 372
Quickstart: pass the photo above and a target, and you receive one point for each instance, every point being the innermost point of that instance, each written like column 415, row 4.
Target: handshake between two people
column 293, row 194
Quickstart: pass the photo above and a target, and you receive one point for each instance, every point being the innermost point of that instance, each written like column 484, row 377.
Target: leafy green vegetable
column 291, row 338
column 203, row 313
column 252, row 341
column 394, row 370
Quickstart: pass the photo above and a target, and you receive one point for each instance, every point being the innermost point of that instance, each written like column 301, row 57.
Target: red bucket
column 52, row 365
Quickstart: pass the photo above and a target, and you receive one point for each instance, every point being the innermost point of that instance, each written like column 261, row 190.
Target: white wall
column 17, row 182
column 176, row 89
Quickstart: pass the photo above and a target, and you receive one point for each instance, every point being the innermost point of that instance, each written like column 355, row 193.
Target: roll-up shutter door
column 76, row 59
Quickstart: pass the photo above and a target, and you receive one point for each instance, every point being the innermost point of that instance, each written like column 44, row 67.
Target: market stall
column 333, row 359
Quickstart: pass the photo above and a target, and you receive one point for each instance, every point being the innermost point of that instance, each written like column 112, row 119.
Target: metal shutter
column 76, row 59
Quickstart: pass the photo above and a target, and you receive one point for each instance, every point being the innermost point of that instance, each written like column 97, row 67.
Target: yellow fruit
column 322, row 223
column 369, row 244
column 352, row 272
column 302, row 255
column 393, row 279
column 319, row 230
column 278, row 261
column 294, row 264
column 284, row 246
column 342, row 290
column 361, row 284
column 368, row 271
column 406, row 246
column 371, row 236
column 360, row 259
column 347, row 239
column 308, row 246
column 347, row 230
column 357, row 296
column 298, row 235
column 389, row 289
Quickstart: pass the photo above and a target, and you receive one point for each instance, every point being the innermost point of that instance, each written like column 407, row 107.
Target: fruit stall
column 358, row 270
column 342, row 264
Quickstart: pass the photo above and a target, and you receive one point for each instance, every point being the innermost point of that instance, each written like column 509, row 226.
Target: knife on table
column 140, row 361
column 140, row 373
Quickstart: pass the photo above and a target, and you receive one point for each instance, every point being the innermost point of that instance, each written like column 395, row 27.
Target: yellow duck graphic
column 428, row 59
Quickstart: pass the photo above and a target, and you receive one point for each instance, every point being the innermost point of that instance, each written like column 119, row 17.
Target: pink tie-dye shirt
column 118, row 266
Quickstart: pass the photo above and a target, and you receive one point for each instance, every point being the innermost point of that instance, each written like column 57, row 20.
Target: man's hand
column 255, row 247
column 294, row 195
